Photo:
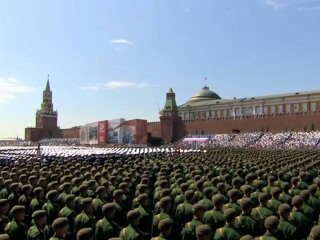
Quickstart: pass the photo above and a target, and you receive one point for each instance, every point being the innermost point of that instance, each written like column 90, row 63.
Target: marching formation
column 226, row 194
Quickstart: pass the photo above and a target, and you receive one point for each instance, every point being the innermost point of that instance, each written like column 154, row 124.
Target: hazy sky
column 117, row 58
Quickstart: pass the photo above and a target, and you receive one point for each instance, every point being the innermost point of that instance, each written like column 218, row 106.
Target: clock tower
column 46, row 117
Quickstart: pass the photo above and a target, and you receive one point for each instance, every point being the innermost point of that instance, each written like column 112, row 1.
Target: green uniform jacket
column 288, row 231
column 207, row 203
column 52, row 211
column 4, row 220
column 35, row 204
column 156, row 219
column 105, row 229
column 301, row 222
column 226, row 233
column 83, row 220
column 184, row 213
column 146, row 218
column 68, row 213
column 130, row 233
column 245, row 224
column 16, row 230
column 261, row 213
column 189, row 231
column 214, row 218
column 35, row 233
column 160, row 237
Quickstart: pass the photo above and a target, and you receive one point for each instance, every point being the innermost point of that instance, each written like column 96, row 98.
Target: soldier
column 306, row 208
column 271, row 224
column 184, row 212
column 247, row 237
column 288, row 231
column 120, row 214
column 314, row 202
column 206, row 201
column 244, row 223
column 13, row 198
column 132, row 232
column 66, row 190
column 85, row 234
column 261, row 212
column 85, row 218
column 60, row 227
column 298, row 219
column 165, row 226
column 105, row 227
column 228, row 231
column 16, row 229
column 189, row 231
column 165, row 204
column 285, row 196
column 36, row 232
column 146, row 216
column 99, row 201
column 68, row 212
column 4, row 209
column 51, row 206
column 234, row 196
column 274, row 202
column 215, row 218
column 203, row 232
column 37, row 202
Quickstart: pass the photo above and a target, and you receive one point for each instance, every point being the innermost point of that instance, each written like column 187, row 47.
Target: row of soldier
column 206, row 196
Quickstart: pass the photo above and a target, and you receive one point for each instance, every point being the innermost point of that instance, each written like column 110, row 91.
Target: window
column 213, row 113
column 272, row 109
column 257, row 110
column 296, row 107
column 304, row 107
column 265, row 109
column 209, row 114
column 225, row 112
column 237, row 112
column 288, row 108
column 280, row 108
column 186, row 116
column 313, row 106
column 218, row 113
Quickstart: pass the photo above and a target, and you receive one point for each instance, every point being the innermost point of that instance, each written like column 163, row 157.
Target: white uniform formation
column 284, row 140
column 10, row 154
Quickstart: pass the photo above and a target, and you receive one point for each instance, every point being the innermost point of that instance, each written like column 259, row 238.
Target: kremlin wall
column 204, row 113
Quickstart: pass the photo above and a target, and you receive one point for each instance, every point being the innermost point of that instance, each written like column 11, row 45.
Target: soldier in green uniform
column 85, row 234
column 146, row 216
column 306, row 208
column 274, row 202
column 234, row 196
column 247, row 237
column 68, row 212
column 165, row 226
column 285, row 197
column 120, row 214
column 37, row 201
column 6, row 191
column 4, row 209
column 298, row 219
column 261, row 212
column 13, row 198
column 16, row 229
column 36, row 232
column 244, row 223
column 66, row 190
column 228, row 232
column 184, row 212
column 271, row 225
column 60, row 227
column 288, row 231
column 189, row 231
column 105, row 227
column 206, row 201
column 99, row 201
column 166, row 205
column 85, row 218
column 215, row 218
column 25, row 200
column 132, row 232
column 203, row 232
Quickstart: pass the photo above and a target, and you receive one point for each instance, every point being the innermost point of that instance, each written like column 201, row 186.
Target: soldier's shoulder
column 33, row 232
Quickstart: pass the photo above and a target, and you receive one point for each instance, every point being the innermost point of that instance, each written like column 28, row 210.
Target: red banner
column 102, row 132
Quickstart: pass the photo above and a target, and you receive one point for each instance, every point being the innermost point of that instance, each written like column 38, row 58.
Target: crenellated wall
column 272, row 123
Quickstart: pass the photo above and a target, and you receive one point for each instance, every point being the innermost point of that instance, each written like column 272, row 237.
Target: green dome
column 204, row 94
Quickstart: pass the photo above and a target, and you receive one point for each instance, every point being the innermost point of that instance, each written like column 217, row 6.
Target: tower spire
column 47, row 85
